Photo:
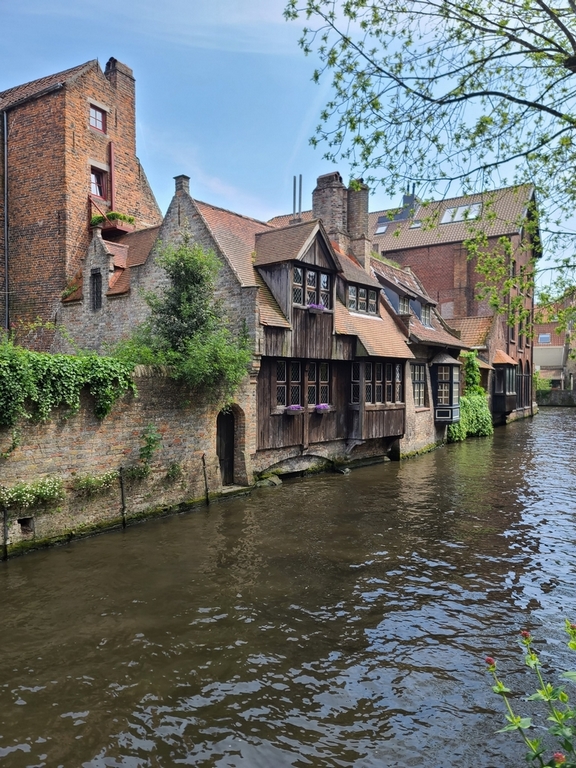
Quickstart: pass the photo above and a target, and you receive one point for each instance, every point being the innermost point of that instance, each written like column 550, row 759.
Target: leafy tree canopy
column 473, row 94
column 187, row 329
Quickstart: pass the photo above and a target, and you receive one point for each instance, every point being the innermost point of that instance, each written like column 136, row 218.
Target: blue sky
column 224, row 93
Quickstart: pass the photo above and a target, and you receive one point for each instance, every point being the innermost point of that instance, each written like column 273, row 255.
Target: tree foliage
column 475, row 416
column 464, row 95
column 435, row 91
column 187, row 328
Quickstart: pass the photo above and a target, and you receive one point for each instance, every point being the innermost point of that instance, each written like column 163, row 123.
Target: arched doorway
column 225, row 445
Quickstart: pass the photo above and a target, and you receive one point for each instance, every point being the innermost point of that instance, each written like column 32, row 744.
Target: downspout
column 6, row 260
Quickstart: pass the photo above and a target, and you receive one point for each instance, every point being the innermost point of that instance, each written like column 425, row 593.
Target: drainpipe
column 6, row 284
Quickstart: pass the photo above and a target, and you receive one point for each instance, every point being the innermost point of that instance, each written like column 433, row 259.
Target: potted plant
column 113, row 220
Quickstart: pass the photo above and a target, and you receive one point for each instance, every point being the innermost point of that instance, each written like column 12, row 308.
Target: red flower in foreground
column 490, row 661
column 525, row 634
column 559, row 758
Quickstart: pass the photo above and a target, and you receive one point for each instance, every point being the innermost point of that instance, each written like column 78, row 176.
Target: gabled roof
column 235, row 236
column 140, row 244
column 351, row 269
column 507, row 209
column 378, row 334
column 401, row 279
column 474, row 331
column 35, row 88
column 286, row 244
column 286, row 219
column 270, row 312
column 435, row 334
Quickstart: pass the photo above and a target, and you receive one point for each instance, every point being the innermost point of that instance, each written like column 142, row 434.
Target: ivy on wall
column 475, row 416
column 33, row 384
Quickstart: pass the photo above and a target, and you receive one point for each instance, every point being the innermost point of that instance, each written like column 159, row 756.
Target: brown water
column 335, row 621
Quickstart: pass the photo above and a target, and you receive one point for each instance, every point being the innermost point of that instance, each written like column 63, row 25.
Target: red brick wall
column 51, row 148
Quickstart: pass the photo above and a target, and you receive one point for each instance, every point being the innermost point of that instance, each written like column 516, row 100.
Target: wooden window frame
column 98, row 183
column 97, row 118
column 419, row 385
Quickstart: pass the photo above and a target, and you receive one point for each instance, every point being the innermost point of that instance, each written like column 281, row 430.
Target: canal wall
column 564, row 398
column 164, row 441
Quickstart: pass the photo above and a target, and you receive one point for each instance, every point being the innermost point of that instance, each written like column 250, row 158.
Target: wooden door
column 225, row 446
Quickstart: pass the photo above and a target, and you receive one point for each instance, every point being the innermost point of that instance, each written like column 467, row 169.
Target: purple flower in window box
column 322, row 407
column 316, row 308
column 291, row 410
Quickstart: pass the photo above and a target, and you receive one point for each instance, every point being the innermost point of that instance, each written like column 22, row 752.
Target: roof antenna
column 299, row 199
column 294, row 202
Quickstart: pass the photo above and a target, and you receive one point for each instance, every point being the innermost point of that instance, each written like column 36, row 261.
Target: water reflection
column 337, row 621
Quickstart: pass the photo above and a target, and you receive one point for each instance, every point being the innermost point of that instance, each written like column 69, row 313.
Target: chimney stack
column 358, row 222
column 182, row 184
column 330, row 203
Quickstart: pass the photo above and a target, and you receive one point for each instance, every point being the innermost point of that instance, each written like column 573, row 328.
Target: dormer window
column 362, row 300
column 311, row 287
column 426, row 315
column 404, row 306
column 382, row 225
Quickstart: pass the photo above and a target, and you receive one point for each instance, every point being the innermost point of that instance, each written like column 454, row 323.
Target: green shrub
column 111, row 216
column 90, row 485
column 24, row 495
column 475, row 419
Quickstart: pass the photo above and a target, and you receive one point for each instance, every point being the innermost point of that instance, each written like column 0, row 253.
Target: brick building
column 67, row 152
column 430, row 239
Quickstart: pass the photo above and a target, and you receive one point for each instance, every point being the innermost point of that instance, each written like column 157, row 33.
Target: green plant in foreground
column 560, row 715
column 90, row 485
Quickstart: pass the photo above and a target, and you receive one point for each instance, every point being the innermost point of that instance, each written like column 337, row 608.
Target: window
column 96, row 290
column 448, row 385
column 97, row 118
column 461, row 213
column 374, row 382
column 98, row 183
column 362, row 300
column 416, row 224
column 418, row 371
column 404, row 306
column 382, row 225
column 426, row 315
column 290, row 385
column 543, row 338
column 355, row 388
column 393, row 383
column 318, row 383
column 311, row 287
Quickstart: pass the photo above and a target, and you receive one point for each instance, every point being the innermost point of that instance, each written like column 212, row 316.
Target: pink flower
column 490, row 661
column 559, row 758
column 525, row 634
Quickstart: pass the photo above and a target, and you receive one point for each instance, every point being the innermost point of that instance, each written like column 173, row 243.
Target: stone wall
column 565, row 398
column 183, row 470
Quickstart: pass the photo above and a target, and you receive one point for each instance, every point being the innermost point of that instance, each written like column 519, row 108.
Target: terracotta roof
column 379, row 335
column 436, row 334
column 13, row 96
column 119, row 283
column 75, row 286
column 140, row 244
column 352, row 270
column 501, row 358
column 402, row 278
column 473, row 330
column 285, row 219
column 508, row 207
column 276, row 245
column 234, row 235
column 270, row 312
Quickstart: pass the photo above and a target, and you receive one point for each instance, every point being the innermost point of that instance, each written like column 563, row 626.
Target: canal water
column 335, row 621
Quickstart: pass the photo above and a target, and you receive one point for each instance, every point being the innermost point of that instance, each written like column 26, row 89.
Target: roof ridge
column 234, row 213
column 68, row 72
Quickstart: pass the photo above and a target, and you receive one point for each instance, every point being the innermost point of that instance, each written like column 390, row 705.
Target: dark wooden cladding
column 277, row 429
column 312, row 334
column 277, row 342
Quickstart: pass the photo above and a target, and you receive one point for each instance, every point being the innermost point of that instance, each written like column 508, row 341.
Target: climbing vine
column 475, row 416
column 33, row 384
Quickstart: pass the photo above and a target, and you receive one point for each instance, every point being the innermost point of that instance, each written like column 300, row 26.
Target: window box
column 293, row 410
column 316, row 309
column 114, row 220
column 322, row 408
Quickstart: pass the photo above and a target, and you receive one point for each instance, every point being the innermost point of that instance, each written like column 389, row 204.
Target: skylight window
column 461, row 213
column 416, row 224
column 382, row 225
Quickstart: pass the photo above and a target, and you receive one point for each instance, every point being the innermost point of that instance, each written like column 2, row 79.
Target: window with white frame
column 426, row 315
column 461, row 213
column 97, row 118
column 362, row 299
column 404, row 306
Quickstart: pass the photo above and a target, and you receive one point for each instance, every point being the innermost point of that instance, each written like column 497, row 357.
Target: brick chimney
column 330, row 203
column 182, row 184
column 358, row 222
column 122, row 80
